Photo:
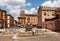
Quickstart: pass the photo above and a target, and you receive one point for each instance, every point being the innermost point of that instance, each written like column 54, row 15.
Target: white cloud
column 31, row 11
column 15, row 13
column 14, row 5
column 49, row 3
column 37, row 7
column 28, row 4
column 2, row 3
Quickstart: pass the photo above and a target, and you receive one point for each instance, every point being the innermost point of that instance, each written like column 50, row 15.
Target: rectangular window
column 8, row 21
column 8, row 25
column 8, row 17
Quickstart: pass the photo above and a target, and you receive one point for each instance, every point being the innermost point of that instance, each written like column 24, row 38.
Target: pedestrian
column 32, row 33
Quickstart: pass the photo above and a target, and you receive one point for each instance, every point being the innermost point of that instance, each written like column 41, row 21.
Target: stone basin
column 28, row 34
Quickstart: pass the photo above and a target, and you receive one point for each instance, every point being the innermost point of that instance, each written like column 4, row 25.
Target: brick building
column 2, row 18
column 23, row 18
column 10, row 21
column 52, row 24
column 48, row 17
column 46, row 13
column 57, row 12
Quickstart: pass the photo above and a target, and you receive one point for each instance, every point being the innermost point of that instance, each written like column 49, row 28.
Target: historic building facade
column 46, row 13
column 23, row 18
column 57, row 12
column 10, row 21
column 6, row 20
column 2, row 18
column 48, row 18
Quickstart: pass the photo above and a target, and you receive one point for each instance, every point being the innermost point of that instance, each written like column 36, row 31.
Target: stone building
column 57, row 12
column 2, row 18
column 10, row 21
column 23, row 18
column 46, row 13
column 48, row 18
column 52, row 25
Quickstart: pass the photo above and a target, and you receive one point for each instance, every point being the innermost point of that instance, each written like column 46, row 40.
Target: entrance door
column 1, row 24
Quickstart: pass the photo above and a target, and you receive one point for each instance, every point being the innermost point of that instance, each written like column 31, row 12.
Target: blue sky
column 34, row 3
column 14, row 7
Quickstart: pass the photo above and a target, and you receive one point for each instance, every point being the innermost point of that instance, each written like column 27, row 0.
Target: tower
column 40, row 15
column 22, row 13
column 22, row 18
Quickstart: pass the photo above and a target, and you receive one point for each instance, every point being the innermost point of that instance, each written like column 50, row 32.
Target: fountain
column 28, row 32
column 28, row 25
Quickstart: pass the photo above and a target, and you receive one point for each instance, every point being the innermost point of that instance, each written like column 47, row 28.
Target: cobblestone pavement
column 51, row 36
column 34, row 39
column 5, row 38
column 54, row 37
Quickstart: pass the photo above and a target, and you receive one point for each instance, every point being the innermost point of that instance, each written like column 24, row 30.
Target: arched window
column 44, row 14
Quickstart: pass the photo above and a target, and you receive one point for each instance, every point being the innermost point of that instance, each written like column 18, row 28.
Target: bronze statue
column 28, row 19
